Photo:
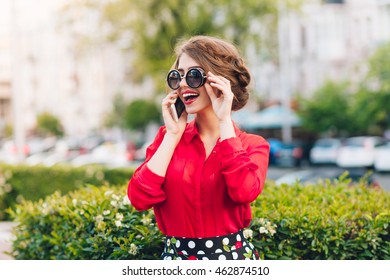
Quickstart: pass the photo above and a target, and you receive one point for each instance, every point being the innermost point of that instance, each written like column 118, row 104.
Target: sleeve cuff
column 150, row 176
column 231, row 146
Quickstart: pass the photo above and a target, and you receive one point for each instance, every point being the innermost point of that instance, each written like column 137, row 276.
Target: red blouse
column 202, row 197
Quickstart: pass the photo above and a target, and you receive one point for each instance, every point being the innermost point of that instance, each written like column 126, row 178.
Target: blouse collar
column 192, row 130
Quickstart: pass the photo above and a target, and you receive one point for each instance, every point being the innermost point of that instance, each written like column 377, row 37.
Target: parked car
column 31, row 146
column 275, row 146
column 292, row 154
column 312, row 176
column 359, row 151
column 325, row 151
column 110, row 154
column 382, row 157
column 140, row 153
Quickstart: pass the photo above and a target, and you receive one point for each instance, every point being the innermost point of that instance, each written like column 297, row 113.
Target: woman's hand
column 174, row 128
column 159, row 162
column 221, row 95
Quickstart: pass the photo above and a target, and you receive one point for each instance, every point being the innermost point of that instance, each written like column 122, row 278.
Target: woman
column 200, row 177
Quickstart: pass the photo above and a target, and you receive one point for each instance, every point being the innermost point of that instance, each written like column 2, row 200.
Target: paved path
column 5, row 239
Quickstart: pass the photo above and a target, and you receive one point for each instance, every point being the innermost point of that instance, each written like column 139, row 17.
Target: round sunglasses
column 194, row 78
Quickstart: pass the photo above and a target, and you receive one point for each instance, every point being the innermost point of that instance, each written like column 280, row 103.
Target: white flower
column 82, row 212
column 108, row 193
column 114, row 203
column 263, row 230
column 271, row 228
column 125, row 200
column 74, row 201
column 106, row 212
column 119, row 216
column 45, row 211
column 99, row 218
column 267, row 226
column 133, row 249
column 118, row 223
column 146, row 220
column 248, row 233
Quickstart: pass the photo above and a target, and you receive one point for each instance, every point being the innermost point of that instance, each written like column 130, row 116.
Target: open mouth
column 190, row 96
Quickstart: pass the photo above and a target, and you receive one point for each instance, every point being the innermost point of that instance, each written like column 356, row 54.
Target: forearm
column 159, row 162
column 244, row 170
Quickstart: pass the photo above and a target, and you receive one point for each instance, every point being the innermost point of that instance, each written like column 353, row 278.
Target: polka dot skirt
column 229, row 247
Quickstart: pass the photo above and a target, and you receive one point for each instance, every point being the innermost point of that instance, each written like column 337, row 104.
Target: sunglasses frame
column 202, row 82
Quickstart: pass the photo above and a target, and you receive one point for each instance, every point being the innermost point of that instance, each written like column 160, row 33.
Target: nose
column 183, row 82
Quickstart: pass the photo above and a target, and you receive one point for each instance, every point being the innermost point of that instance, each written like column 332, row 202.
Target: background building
column 42, row 55
column 51, row 72
column 326, row 40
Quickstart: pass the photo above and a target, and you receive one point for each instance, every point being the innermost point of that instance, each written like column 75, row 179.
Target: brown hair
column 222, row 58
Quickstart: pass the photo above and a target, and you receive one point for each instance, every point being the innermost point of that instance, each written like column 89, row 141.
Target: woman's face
column 195, row 99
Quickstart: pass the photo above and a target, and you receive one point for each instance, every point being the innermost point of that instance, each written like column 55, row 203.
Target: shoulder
column 159, row 136
column 249, row 139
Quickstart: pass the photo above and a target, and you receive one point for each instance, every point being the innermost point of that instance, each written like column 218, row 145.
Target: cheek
column 204, row 95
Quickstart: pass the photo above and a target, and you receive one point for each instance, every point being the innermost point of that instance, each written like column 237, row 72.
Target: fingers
column 221, row 86
column 167, row 104
column 170, row 99
column 169, row 111
column 218, row 79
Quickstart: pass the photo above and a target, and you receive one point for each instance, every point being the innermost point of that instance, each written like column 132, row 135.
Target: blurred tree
column 149, row 29
column 371, row 103
column 139, row 113
column 372, row 108
column 116, row 118
column 366, row 112
column 8, row 131
column 327, row 110
column 379, row 69
column 49, row 125
column 371, row 112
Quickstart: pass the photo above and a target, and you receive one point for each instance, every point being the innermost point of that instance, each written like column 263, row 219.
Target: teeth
column 186, row 95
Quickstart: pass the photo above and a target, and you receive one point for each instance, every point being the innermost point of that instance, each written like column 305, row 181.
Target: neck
column 207, row 124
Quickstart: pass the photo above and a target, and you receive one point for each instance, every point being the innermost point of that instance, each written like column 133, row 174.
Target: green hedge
column 35, row 182
column 91, row 223
column 329, row 220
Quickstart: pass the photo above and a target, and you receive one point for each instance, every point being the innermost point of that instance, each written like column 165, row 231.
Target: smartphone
column 177, row 109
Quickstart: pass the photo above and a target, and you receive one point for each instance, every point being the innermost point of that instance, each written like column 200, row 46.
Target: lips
column 188, row 96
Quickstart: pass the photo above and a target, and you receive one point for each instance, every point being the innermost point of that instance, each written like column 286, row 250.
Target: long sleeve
column 199, row 196
column 244, row 166
column 145, row 187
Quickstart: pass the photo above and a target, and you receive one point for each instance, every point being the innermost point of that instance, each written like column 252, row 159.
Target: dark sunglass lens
column 174, row 79
column 194, row 78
